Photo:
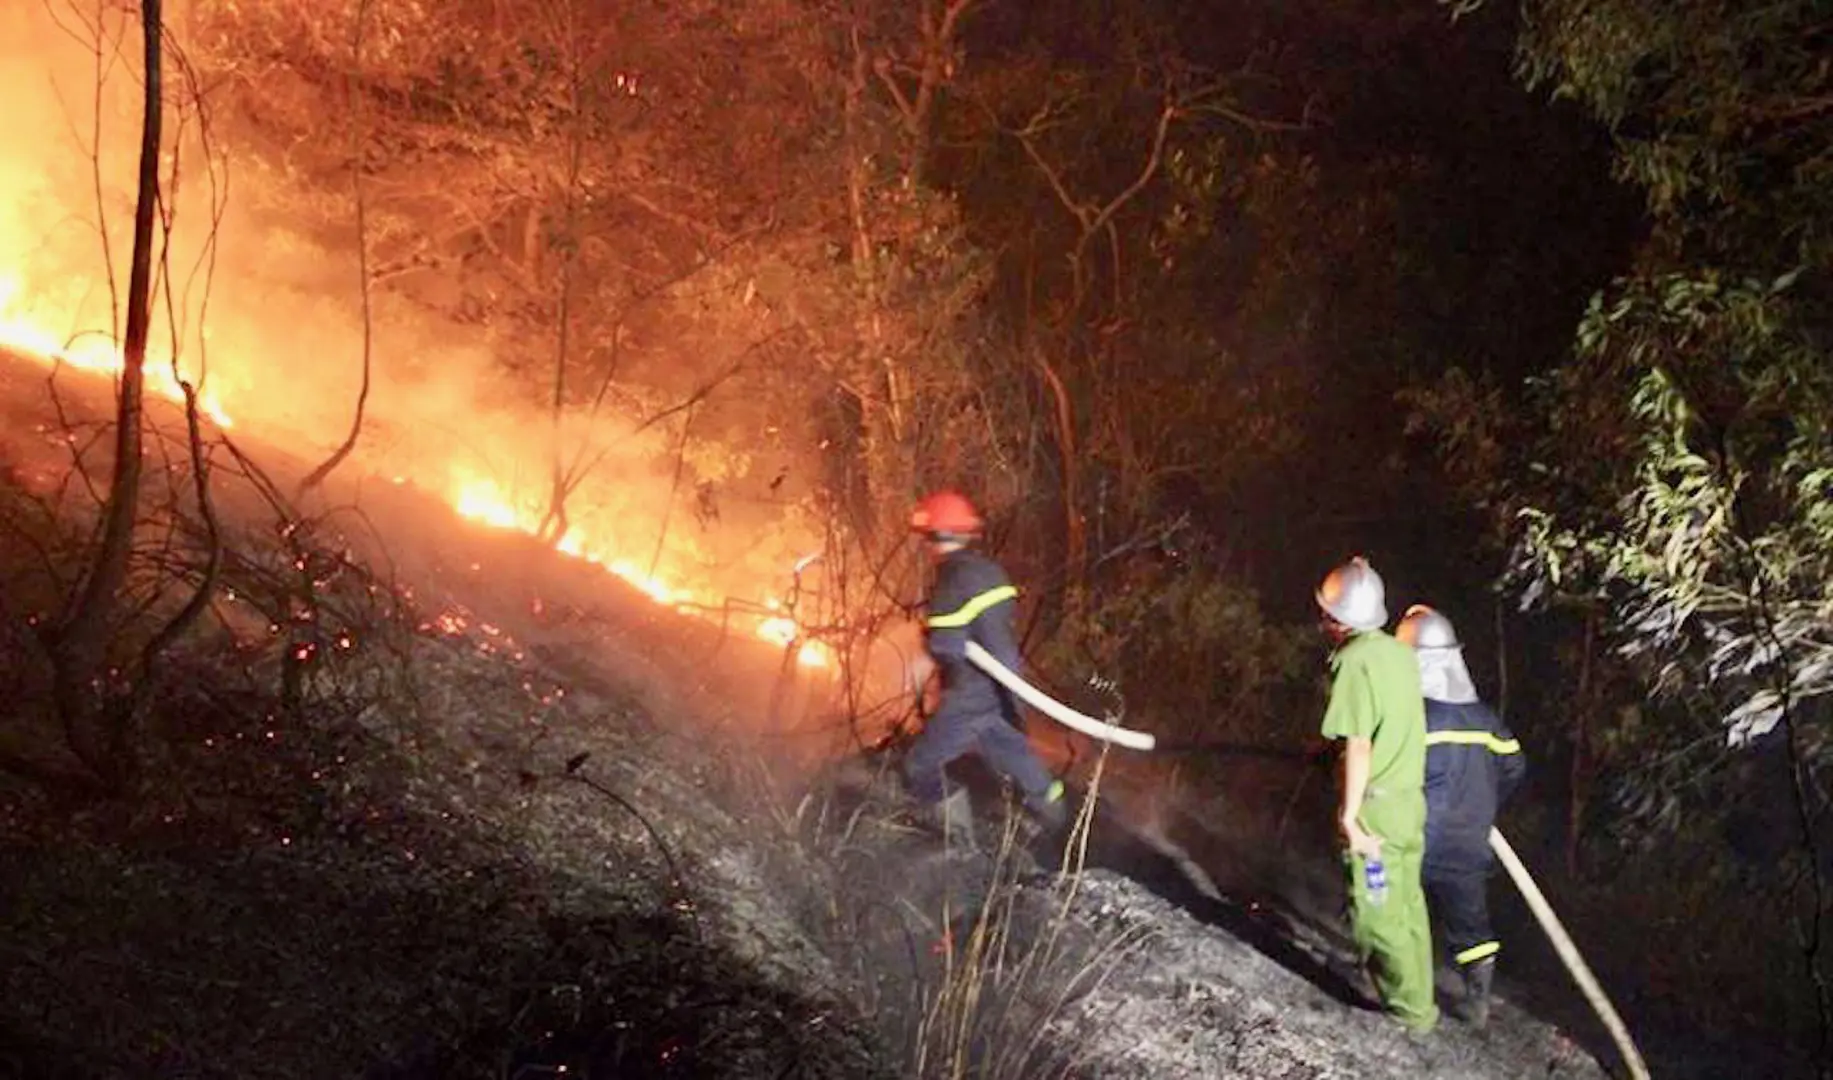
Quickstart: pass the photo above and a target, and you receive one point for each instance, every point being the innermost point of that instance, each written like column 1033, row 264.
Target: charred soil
column 500, row 815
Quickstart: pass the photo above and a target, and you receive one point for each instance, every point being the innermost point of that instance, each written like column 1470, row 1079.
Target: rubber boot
column 1053, row 815
column 1478, row 978
column 1051, row 808
column 954, row 818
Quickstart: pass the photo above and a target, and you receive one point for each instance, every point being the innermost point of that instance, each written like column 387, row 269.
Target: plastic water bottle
column 1376, row 876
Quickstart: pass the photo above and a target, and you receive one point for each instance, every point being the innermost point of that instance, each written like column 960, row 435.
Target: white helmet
column 1353, row 595
column 1442, row 674
column 1425, row 628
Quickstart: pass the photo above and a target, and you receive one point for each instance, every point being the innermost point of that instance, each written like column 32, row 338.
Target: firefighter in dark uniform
column 972, row 600
column 1473, row 764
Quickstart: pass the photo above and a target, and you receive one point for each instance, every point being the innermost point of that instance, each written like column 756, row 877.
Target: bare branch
column 205, row 589
column 581, row 466
column 674, row 485
column 938, row 44
column 358, row 154
column 554, row 525
column 905, row 107
column 83, row 633
column 1252, row 123
column 1095, row 218
column 1797, row 108
column 933, row 67
column 702, row 229
column 1077, row 210
column 104, row 60
column 1169, row 112
column 705, row 389
column 636, row 300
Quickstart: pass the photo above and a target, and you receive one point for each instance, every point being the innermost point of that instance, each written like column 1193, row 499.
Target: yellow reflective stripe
column 1473, row 738
column 1054, row 793
column 1479, row 952
column 971, row 610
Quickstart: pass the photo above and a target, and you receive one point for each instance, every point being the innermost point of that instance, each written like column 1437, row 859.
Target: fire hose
column 1517, row 871
column 1056, row 710
column 1569, row 954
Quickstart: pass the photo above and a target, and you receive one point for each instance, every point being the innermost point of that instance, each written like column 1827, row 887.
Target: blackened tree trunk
column 80, row 651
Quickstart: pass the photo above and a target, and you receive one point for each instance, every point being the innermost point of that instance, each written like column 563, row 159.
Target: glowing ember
column 781, row 631
column 778, row 630
column 21, row 332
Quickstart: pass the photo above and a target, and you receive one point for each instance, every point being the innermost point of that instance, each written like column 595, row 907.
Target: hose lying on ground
column 1056, row 710
column 1517, row 871
column 1568, row 952
column 1536, row 901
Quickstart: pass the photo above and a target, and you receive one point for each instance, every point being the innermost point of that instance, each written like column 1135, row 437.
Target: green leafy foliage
column 1710, row 541
column 1195, row 653
column 1671, row 478
column 1723, row 113
column 1679, row 476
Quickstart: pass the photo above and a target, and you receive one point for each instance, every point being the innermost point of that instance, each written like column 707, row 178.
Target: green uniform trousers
column 1394, row 936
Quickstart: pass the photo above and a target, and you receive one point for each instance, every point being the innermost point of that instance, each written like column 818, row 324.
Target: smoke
column 262, row 302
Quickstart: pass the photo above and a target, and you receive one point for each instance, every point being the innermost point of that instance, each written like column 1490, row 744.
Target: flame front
column 477, row 498
column 482, row 500
column 276, row 305
column 22, row 330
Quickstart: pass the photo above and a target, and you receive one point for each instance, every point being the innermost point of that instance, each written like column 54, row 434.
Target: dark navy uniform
column 973, row 600
column 1473, row 764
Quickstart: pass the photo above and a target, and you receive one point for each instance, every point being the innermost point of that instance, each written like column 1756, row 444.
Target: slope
column 507, row 816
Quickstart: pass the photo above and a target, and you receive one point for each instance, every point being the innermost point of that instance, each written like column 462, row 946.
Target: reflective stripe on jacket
column 972, row 600
column 1473, row 764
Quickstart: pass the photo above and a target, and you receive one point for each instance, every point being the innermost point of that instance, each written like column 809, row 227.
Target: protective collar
column 1443, row 676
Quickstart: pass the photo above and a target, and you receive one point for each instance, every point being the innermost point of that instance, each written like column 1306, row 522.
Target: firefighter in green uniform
column 1377, row 710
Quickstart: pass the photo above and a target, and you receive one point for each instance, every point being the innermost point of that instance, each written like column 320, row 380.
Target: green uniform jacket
column 1375, row 694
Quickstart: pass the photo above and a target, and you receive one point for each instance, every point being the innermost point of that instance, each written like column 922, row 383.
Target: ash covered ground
column 512, row 818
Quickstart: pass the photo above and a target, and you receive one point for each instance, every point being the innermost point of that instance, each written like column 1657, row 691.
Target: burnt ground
column 518, row 818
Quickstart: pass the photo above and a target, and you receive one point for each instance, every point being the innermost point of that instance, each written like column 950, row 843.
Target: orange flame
column 55, row 198
column 476, row 498
column 20, row 332
column 483, row 501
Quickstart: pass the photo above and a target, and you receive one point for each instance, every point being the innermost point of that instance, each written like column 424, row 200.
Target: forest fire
column 483, row 500
column 476, row 498
column 23, row 333
column 661, row 298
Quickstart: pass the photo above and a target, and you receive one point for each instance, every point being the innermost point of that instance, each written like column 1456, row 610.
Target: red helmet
column 946, row 512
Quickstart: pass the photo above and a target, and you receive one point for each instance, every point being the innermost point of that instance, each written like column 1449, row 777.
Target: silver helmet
column 1426, row 628
column 1353, row 595
column 1442, row 673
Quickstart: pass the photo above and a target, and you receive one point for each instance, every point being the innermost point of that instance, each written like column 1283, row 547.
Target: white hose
column 1056, row 710
column 1568, row 952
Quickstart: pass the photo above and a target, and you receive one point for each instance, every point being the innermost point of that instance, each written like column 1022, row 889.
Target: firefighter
column 1473, row 764
column 1377, row 710
column 972, row 600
